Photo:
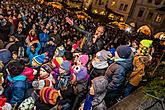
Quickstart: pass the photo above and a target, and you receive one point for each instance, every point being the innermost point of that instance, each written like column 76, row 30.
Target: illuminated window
column 140, row 14
column 159, row 18
column 113, row 3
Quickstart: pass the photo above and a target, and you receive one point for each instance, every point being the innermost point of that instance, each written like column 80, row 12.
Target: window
column 158, row 2
column 140, row 14
column 158, row 18
column 121, row 6
column 149, row 1
column 150, row 15
column 100, row 2
column 125, row 7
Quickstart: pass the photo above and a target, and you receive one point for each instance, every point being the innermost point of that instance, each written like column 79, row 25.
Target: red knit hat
column 58, row 61
column 49, row 95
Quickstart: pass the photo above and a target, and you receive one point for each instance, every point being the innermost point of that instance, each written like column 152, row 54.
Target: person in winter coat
column 97, row 92
column 62, row 83
column 116, row 72
column 43, row 37
column 141, row 59
column 80, row 80
column 94, row 41
column 45, row 78
column 16, row 87
column 32, row 51
column 100, row 63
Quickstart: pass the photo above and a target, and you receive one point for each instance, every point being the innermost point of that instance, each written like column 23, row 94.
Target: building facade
column 121, row 7
column 150, row 13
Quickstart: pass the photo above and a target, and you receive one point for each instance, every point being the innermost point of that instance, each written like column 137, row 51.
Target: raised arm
column 70, row 21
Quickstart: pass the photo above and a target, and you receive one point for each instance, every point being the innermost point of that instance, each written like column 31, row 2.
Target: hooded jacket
column 139, row 63
column 18, row 87
column 100, row 89
column 116, row 74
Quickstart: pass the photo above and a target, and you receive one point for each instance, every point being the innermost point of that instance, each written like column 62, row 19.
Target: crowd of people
column 50, row 60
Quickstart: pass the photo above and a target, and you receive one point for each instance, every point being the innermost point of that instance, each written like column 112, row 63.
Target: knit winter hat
column 81, row 73
column 84, row 59
column 144, row 50
column 103, row 55
column 66, row 65
column 28, row 72
column 15, row 67
column 60, row 51
column 47, row 68
column 39, row 59
column 124, row 51
column 49, row 95
column 146, row 43
column 58, row 61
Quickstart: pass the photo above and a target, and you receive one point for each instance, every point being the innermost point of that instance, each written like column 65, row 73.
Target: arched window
column 158, row 2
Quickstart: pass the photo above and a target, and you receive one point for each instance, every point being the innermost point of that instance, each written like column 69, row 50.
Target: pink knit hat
column 84, row 59
column 28, row 72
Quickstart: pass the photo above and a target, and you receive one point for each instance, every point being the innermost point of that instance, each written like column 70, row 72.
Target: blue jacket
column 18, row 88
column 43, row 37
column 116, row 74
column 30, row 54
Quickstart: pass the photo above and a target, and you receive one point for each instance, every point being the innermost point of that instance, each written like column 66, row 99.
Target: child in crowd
column 100, row 63
column 95, row 97
column 141, row 59
column 45, row 78
column 16, row 87
column 39, row 60
column 116, row 72
column 32, row 51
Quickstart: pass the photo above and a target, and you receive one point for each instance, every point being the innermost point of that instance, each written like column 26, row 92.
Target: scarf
column 88, row 102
